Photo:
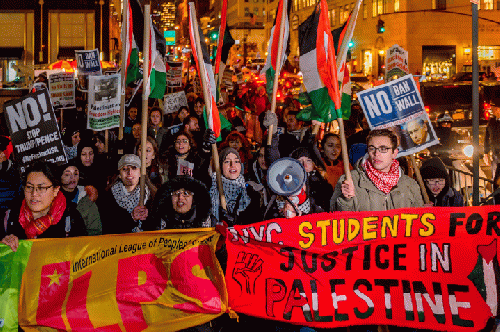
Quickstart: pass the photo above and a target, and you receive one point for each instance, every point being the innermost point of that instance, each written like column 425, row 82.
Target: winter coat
column 87, row 208
column 434, row 168
column 70, row 225
column 369, row 198
column 165, row 217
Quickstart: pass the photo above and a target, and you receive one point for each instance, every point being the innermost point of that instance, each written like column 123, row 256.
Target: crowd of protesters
column 97, row 191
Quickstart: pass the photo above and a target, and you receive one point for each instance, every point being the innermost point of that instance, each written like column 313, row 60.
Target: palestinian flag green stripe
column 12, row 266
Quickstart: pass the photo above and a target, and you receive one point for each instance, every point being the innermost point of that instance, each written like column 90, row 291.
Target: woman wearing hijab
column 44, row 212
column 92, row 171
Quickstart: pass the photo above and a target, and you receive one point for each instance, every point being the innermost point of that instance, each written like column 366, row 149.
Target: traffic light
column 380, row 26
column 214, row 35
column 351, row 44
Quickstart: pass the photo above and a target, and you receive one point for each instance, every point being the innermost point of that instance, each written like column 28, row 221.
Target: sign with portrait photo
column 398, row 106
column 104, row 102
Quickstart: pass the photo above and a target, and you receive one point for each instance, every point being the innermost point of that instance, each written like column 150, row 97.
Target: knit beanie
column 434, row 168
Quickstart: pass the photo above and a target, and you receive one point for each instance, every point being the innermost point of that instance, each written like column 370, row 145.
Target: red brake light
column 427, row 109
column 486, row 106
column 487, row 115
column 288, row 85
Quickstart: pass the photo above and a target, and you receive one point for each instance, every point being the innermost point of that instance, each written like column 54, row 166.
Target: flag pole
column 124, row 56
column 345, row 155
column 208, row 105
column 278, row 67
column 145, row 96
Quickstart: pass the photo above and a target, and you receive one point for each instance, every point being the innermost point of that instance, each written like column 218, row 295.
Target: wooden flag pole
column 106, row 141
column 278, row 68
column 208, row 105
column 345, row 155
column 124, row 56
column 419, row 179
column 145, row 96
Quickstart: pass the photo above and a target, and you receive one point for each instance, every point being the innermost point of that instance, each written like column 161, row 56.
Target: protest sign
column 162, row 281
column 88, row 64
column 174, row 101
column 422, row 268
column 174, row 74
column 33, row 130
column 104, row 102
column 184, row 167
column 397, row 105
column 396, row 63
column 62, row 90
column 174, row 129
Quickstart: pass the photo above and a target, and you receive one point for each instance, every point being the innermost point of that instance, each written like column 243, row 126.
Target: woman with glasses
column 183, row 159
column 437, row 184
column 44, row 212
column 181, row 202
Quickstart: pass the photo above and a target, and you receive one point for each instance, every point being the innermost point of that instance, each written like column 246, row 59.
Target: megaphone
column 286, row 176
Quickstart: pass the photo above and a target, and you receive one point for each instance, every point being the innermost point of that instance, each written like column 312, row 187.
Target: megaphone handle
column 293, row 205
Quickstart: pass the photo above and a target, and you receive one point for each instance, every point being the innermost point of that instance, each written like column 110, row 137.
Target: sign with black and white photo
column 33, row 130
column 62, row 90
column 174, row 74
column 398, row 106
column 104, row 102
column 174, row 101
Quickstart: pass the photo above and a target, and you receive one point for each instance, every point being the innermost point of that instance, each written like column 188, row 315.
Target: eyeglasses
column 182, row 192
column 179, row 141
column 434, row 182
column 40, row 189
column 382, row 149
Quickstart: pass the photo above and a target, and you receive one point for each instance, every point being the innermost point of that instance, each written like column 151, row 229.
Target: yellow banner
column 159, row 281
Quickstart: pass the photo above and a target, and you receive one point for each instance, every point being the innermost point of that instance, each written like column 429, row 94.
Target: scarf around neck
column 34, row 227
column 232, row 190
column 383, row 181
column 126, row 200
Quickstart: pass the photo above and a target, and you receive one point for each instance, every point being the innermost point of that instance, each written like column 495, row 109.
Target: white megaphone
column 286, row 176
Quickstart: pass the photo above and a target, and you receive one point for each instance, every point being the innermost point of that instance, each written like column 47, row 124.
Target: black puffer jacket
column 165, row 217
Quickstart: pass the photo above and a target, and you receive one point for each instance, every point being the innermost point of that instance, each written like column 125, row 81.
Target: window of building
column 346, row 13
column 256, row 11
column 247, row 12
column 295, row 5
column 264, row 12
column 439, row 4
column 341, row 14
column 333, row 21
column 396, row 5
column 488, row 4
column 374, row 8
column 382, row 6
column 498, row 5
column 365, row 10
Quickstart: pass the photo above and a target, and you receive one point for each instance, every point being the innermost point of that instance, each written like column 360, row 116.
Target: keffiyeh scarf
column 383, row 181
column 232, row 189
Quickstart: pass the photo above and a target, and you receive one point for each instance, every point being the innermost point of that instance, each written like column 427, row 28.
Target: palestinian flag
column 135, row 43
column 341, row 38
column 486, row 275
column 270, row 68
column 225, row 43
column 204, row 68
column 157, row 69
column 318, row 66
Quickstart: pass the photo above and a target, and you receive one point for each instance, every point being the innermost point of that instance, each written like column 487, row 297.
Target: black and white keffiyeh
column 128, row 200
column 232, row 190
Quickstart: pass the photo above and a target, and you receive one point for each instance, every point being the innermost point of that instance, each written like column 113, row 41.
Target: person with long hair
column 93, row 171
column 155, row 128
column 332, row 158
column 44, row 212
column 120, row 206
column 184, row 159
column 154, row 168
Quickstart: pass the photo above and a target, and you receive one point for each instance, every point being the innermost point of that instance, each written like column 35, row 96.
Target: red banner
column 424, row 268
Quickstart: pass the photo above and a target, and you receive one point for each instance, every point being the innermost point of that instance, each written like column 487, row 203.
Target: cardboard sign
column 104, row 102
column 396, row 63
column 397, row 105
column 174, row 101
column 33, row 130
column 88, row 62
column 426, row 268
column 174, row 74
column 62, row 90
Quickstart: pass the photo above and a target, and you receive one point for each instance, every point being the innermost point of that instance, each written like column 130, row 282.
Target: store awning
column 11, row 53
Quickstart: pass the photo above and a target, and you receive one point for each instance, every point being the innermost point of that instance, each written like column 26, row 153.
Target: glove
column 208, row 140
column 226, row 217
column 271, row 119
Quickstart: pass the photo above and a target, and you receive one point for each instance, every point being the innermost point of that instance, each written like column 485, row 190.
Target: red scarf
column 34, row 227
column 383, row 181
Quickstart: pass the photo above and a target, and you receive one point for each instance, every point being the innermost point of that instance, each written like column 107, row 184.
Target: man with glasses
column 378, row 183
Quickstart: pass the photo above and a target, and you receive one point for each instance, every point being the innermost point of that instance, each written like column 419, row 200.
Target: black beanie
column 434, row 168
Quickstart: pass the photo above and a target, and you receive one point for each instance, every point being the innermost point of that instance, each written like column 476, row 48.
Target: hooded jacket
column 369, row 198
column 434, row 168
column 164, row 215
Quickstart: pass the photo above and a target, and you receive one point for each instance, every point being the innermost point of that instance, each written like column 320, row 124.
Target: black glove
column 208, row 140
column 226, row 217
